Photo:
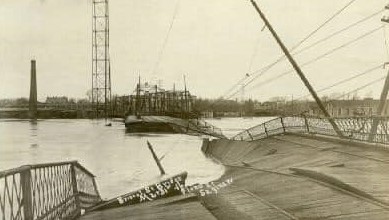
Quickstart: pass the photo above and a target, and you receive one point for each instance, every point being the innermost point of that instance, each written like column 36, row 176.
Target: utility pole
column 137, row 100
column 298, row 69
column 186, row 97
column 384, row 96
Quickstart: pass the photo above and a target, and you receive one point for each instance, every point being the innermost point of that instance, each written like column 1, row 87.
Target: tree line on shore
column 22, row 101
column 224, row 105
column 200, row 105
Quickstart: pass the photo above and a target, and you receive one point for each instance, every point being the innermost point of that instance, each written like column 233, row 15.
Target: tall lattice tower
column 101, row 70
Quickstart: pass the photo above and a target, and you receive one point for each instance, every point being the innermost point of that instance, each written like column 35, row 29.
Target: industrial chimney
column 33, row 92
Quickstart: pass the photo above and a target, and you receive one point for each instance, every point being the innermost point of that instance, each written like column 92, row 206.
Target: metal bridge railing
column 204, row 127
column 47, row 191
column 355, row 128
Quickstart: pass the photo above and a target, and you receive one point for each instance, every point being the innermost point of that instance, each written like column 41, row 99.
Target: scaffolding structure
column 101, row 69
column 152, row 100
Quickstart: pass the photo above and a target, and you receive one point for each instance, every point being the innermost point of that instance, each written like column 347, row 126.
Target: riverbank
column 16, row 113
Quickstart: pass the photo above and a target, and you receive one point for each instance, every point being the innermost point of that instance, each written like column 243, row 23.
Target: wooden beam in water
column 156, row 158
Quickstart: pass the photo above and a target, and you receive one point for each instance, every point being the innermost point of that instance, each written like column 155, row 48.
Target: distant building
column 283, row 107
column 206, row 114
column 57, row 100
column 227, row 114
column 346, row 108
column 336, row 108
column 268, row 107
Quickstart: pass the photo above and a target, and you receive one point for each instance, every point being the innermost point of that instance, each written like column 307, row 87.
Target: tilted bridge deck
column 280, row 172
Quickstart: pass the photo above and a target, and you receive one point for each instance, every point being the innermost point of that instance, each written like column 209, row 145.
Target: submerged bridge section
column 287, row 168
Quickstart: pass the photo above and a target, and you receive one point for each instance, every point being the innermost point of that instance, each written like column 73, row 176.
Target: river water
column 121, row 162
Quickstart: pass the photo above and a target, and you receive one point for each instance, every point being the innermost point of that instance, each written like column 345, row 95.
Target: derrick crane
column 101, row 69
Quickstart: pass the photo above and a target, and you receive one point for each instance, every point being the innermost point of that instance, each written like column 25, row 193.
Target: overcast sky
column 213, row 42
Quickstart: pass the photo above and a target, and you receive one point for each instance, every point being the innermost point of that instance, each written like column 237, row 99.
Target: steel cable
column 281, row 58
column 317, row 58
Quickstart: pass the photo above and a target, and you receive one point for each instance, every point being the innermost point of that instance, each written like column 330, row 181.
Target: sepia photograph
column 182, row 109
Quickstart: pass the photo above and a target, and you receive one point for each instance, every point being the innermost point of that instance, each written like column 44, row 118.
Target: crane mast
column 101, row 69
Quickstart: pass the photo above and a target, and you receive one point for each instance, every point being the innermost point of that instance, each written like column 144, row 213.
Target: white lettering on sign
column 174, row 186
column 209, row 188
column 154, row 192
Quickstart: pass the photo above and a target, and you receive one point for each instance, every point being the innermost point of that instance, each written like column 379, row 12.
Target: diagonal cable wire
column 166, row 38
column 362, row 87
column 282, row 57
column 338, row 32
column 343, row 81
column 325, row 23
column 357, row 89
column 317, row 58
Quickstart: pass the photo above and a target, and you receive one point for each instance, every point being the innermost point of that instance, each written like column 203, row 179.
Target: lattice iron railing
column 355, row 128
column 203, row 127
column 47, row 191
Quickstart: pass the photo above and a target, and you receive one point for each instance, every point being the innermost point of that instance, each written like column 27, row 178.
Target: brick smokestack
column 33, row 92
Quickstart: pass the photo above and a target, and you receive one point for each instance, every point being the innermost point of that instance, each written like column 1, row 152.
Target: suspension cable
column 322, row 25
column 282, row 57
column 362, row 87
column 159, row 58
column 316, row 59
column 343, row 81
column 338, row 32
column 266, row 68
column 357, row 89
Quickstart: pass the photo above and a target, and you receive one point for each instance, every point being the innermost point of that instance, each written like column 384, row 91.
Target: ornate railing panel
column 295, row 124
column 87, row 188
column 320, row 126
column 46, row 191
column 204, row 127
column 52, row 192
column 355, row 128
column 11, row 197
column 274, row 127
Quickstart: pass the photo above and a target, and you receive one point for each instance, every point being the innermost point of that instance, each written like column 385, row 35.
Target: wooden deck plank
column 268, row 176
column 264, row 186
column 365, row 171
column 237, row 204
column 294, row 196
column 367, row 151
